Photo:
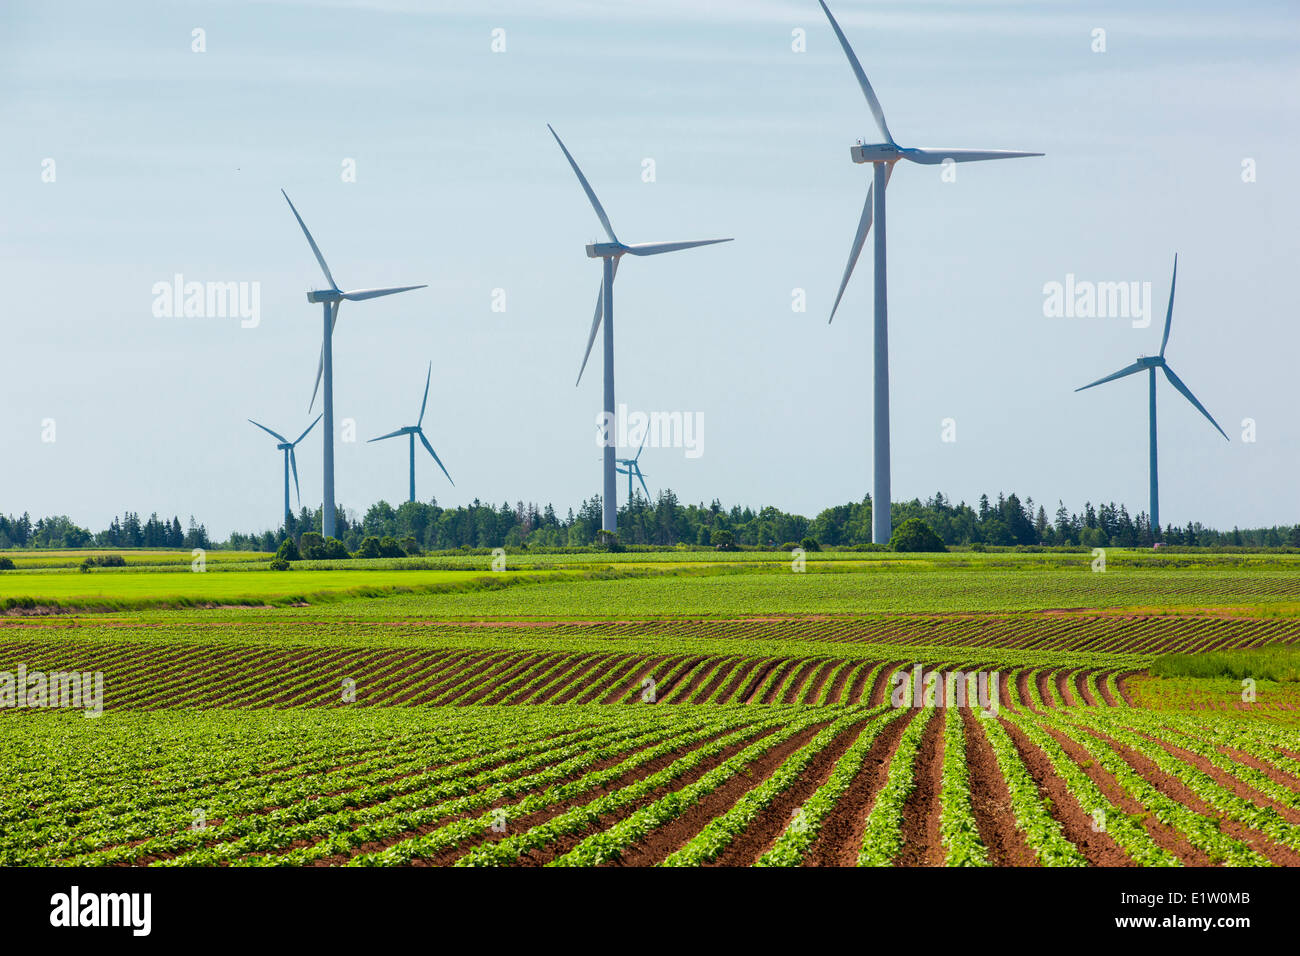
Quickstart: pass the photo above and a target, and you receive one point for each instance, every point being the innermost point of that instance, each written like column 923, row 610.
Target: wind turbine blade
column 424, row 441
column 389, row 435
column 586, row 186
column 312, row 242
column 320, row 362
column 425, row 401
column 859, row 240
column 934, row 155
column 359, row 294
column 655, row 248
column 642, row 479
column 1127, row 370
column 269, row 432
column 309, row 428
column 874, row 103
column 642, row 448
column 1169, row 315
column 1177, row 383
column 293, row 463
column 595, row 325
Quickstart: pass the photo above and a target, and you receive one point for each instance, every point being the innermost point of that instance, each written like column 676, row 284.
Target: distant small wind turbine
column 330, row 299
column 883, row 156
column 631, row 468
column 290, row 461
column 1151, row 363
column 611, row 252
column 413, row 430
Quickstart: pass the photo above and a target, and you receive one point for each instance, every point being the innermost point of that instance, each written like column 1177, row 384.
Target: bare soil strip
column 516, row 825
column 1226, row 780
column 1081, row 686
column 921, row 843
column 660, row 843
column 840, row 839
column 1175, row 789
column 767, row 827
column 759, row 770
column 1163, row 836
column 1099, row 848
column 991, row 801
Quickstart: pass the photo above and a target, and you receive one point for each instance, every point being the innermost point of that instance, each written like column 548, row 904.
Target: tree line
column 663, row 522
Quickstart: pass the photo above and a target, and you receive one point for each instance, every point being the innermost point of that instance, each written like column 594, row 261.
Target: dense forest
column 420, row 527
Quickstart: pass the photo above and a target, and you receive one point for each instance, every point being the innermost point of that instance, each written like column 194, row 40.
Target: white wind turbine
column 882, row 157
column 611, row 252
column 330, row 299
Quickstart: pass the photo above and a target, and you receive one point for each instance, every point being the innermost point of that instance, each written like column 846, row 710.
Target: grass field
column 673, row 708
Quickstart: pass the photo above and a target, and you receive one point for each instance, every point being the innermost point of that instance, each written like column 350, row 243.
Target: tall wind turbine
column 631, row 468
column 882, row 157
column 413, row 430
column 1150, row 364
column 290, row 460
column 610, row 253
column 330, row 299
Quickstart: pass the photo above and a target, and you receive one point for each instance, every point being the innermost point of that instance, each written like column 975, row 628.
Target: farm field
column 673, row 709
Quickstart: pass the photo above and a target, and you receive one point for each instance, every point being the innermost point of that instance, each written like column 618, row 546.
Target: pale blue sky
column 170, row 161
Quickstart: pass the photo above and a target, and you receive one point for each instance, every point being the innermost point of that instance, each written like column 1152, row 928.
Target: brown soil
column 763, row 830
column 1175, row 789
column 840, row 839
column 517, row 826
column 1106, row 696
column 775, row 757
column 667, row 839
column 1099, row 848
column 921, row 844
column 1163, row 836
column 836, row 690
column 991, row 801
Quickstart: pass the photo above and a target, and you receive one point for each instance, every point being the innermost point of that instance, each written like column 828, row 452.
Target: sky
column 131, row 157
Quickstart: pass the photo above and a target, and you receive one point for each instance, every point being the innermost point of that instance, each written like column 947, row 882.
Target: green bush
column 389, row 548
column 279, row 564
column 333, row 549
column 810, row 544
column 288, row 551
column 6, row 564
column 310, row 545
column 411, row 546
column 723, row 540
column 369, row 548
column 608, row 541
column 915, row 535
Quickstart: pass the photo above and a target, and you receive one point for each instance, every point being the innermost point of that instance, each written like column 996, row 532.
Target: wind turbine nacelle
column 324, row 295
column 1150, row 361
column 604, row 250
column 874, row 153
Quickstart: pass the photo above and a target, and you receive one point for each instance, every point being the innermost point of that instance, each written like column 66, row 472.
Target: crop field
column 652, row 709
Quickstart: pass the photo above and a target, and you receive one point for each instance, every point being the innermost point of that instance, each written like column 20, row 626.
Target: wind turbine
column 412, row 430
column 631, row 468
column 1150, row 364
column 330, row 299
column 610, row 253
column 290, row 460
column 882, row 157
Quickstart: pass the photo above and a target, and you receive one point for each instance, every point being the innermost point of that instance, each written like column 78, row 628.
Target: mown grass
column 1276, row 663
